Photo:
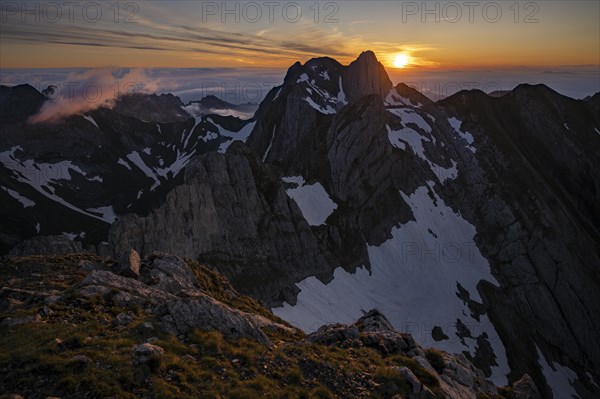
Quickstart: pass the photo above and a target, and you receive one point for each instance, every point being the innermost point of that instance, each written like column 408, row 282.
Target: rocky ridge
column 166, row 321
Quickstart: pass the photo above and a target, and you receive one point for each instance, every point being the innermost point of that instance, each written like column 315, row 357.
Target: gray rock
column 206, row 313
column 46, row 311
column 459, row 372
column 146, row 328
column 91, row 291
column 171, row 274
column 124, row 319
column 423, row 362
column 416, row 352
column 525, row 388
column 374, row 320
column 52, row 299
column 335, row 334
column 411, row 378
column 10, row 322
column 129, row 301
column 129, row 263
column 106, row 282
column 47, row 245
column 143, row 353
column 86, row 266
column 386, row 342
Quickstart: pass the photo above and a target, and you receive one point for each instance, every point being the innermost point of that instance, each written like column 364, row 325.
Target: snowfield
column 413, row 281
column 312, row 199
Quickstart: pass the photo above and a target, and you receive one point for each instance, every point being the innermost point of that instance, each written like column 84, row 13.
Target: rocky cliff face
column 76, row 175
column 366, row 76
column 233, row 211
column 533, row 221
column 502, row 164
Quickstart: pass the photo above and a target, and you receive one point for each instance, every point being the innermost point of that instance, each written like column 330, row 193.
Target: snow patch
column 241, row 135
column 312, row 199
column 444, row 174
column 408, row 115
column 413, row 281
column 342, row 95
column 26, row 202
column 409, row 136
column 107, row 213
column 298, row 180
column 37, row 228
column 559, row 378
column 91, row 120
column 328, row 110
column 141, row 165
column 303, row 78
column 42, row 177
column 468, row 137
column 96, row 178
column 122, row 162
column 393, row 98
column 270, row 145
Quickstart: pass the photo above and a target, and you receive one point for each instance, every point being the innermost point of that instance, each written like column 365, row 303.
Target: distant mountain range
column 472, row 222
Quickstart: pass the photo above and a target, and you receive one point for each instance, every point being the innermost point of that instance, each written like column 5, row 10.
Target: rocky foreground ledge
column 82, row 326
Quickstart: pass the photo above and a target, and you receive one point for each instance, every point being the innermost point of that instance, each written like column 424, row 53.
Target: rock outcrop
column 170, row 290
column 231, row 212
column 366, row 76
column 47, row 245
column 457, row 377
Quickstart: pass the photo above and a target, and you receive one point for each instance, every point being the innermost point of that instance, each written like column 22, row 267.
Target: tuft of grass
column 294, row 376
column 436, row 359
column 321, row 392
column 391, row 382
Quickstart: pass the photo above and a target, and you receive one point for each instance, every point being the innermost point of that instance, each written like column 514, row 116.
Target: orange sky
column 194, row 34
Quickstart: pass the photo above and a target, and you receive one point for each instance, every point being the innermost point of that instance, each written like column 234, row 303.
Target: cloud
column 94, row 88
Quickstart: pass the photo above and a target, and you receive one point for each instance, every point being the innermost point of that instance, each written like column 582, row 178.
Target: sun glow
column 401, row 60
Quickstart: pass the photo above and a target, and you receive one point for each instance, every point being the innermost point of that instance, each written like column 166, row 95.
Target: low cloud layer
column 85, row 91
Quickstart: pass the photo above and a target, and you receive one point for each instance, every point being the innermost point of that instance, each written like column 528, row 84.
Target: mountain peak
column 368, row 55
column 366, row 75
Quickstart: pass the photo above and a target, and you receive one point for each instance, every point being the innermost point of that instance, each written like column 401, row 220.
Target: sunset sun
column 401, row 60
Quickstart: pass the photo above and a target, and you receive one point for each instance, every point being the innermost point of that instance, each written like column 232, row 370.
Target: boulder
column 144, row 353
column 208, row 314
column 124, row 318
column 86, row 266
column 129, row 264
column 10, row 322
column 105, row 282
column 171, row 274
column 386, row 342
column 173, row 294
column 525, row 388
column 335, row 334
column 374, row 320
